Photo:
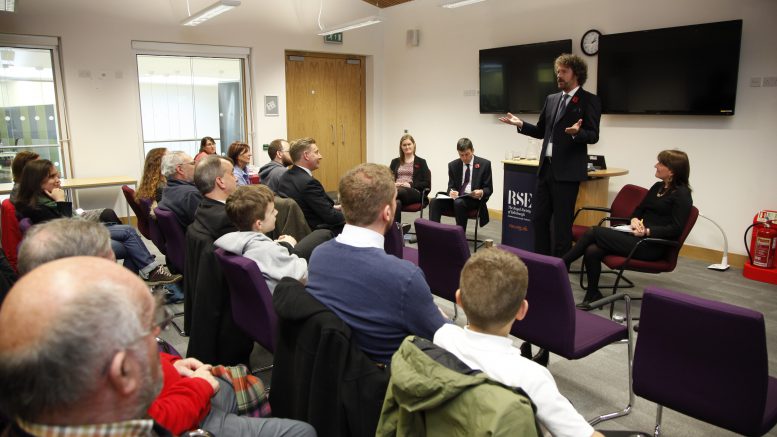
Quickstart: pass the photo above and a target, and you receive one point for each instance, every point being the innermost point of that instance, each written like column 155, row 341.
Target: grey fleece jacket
column 273, row 260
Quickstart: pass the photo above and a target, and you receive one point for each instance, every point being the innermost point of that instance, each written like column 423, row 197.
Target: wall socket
column 770, row 81
column 755, row 82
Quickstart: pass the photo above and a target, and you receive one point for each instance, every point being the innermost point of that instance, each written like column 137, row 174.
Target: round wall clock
column 590, row 42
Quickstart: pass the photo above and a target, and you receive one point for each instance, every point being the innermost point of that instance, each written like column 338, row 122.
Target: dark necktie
column 466, row 180
column 561, row 106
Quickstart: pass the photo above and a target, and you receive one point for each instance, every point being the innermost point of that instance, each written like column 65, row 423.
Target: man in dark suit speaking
column 469, row 184
column 569, row 121
column 299, row 184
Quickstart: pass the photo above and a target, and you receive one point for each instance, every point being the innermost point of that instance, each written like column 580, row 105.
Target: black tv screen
column 678, row 70
column 518, row 78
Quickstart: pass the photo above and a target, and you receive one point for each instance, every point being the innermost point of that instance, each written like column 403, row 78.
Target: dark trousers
column 305, row 246
column 458, row 207
column 554, row 202
column 405, row 196
column 599, row 242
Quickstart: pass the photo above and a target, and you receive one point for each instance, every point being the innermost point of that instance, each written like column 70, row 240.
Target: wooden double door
column 325, row 99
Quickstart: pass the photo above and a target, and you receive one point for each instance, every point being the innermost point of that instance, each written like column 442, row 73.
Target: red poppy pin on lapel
column 417, row 166
column 575, row 99
column 477, row 165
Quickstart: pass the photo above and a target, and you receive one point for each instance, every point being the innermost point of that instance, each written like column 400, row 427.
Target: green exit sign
column 335, row 38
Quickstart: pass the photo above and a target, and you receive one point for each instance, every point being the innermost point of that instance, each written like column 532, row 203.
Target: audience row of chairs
column 677, row 362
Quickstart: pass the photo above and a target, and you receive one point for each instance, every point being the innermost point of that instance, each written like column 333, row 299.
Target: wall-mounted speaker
column 413, row 37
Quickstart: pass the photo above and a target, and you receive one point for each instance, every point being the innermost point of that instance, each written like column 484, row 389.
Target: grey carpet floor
column 598, row 383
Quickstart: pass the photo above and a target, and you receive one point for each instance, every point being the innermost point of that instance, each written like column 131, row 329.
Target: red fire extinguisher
column 765, row 243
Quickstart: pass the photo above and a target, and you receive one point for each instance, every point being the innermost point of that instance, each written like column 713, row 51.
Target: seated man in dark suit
column 469, row 184
column 213, row 335
column 299, row 184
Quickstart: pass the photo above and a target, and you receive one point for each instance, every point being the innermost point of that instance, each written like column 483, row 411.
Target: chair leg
column 657, row 429
column 178, row 328
column 630, row 352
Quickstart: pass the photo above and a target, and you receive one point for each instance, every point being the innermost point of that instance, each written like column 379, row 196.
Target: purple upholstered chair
column 252, row 307
column 553, row 323
column 140, row 214
column 166, row 347
column 24, row 225
column 442, row 252
column 394, row 244
column 157, row 237
column 705, row 359
column 175, row 238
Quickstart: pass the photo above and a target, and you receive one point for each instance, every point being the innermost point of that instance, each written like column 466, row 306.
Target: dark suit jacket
column 422, row 177
column 481, row 180
column 213, row 335
column 309, row 194
column 570, row 155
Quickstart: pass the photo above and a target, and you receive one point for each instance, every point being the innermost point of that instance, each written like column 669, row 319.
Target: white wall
column 105, row 118
column 732, row 158
column 422, row 89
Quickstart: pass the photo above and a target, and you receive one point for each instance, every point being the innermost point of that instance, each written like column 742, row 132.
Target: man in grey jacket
column 271, row 172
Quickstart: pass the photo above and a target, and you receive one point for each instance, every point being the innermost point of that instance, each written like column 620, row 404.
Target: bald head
column 60, row 326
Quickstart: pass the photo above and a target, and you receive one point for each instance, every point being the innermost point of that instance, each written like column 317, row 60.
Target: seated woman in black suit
column 41, row 199
column 662, row 214
column 411, row 174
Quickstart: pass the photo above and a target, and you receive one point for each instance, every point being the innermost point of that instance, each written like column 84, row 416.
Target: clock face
column 590, row 42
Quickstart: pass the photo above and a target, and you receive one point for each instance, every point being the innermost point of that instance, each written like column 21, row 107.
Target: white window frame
column 205, row 51
column 50, row 43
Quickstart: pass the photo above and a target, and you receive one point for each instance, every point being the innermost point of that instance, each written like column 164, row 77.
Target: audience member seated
column 180, row 196
column 411, row 175
column 77, row 351
column 40, row 199
column 280, row 160
column 152, row 182
column 252, row 210
column 469, row 184
column 19, row 161
column 207, row 147
column 493, row 288
column 663, row 213
column 192, row 396
column 380, row 297
column 213, row 335
column 240, row 154
column 299, row 184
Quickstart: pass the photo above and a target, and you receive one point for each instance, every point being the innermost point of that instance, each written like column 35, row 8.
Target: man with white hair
column 181, row 195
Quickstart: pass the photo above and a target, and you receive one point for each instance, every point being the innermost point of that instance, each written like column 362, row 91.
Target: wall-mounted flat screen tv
column 518, row 78
column 678, row 70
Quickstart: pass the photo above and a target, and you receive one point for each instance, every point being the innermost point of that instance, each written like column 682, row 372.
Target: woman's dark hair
column 204, row 142
column 33, row 175
column 19, row 161
column 236, row 149
column 402, row 140
column 677, row 162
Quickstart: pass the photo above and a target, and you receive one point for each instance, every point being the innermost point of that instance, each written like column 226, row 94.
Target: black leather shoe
column 526, row 350
column 405, row 228
column 589, row 297
column 543, row 358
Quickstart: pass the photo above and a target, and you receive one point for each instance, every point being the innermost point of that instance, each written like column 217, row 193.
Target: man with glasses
column 190, row 396
column 77, row 351
column 180, row 196
column 280, row 159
